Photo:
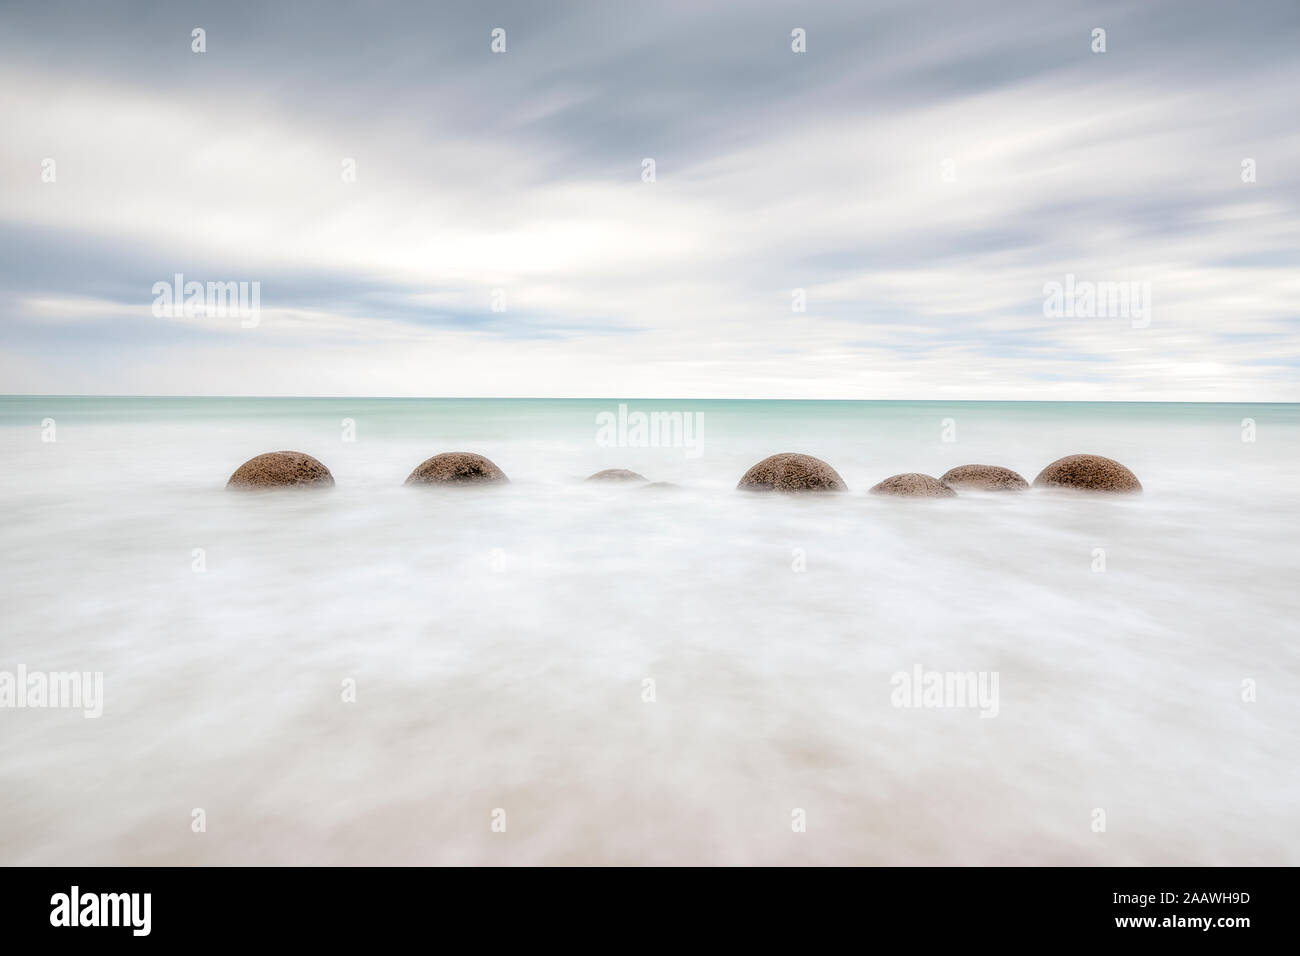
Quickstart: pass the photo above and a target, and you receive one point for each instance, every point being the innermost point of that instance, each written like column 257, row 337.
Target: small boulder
column 914, row 485
column 1088, row 473
column 455, row 467
column 281, row 469
column 792, row 472
column 984, row 478
column 660, row 485
column 616, row 474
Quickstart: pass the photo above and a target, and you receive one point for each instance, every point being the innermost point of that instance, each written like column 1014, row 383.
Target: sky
column 423, row 215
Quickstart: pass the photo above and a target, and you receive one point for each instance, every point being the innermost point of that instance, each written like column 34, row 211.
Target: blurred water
column 500, row 638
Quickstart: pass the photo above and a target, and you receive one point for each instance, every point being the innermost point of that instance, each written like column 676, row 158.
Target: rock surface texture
column 281, row 469
column 792, row 472
column 1088, row 473
column 455, row 467
column 913, row 485
column 984, row 478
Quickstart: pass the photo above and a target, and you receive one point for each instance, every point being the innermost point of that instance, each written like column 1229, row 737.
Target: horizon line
column 579, row 398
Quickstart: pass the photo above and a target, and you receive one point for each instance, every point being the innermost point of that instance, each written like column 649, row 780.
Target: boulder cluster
column 791, row 472
column 788, row 472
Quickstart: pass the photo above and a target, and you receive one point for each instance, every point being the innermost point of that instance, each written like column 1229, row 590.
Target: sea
column 555, row 671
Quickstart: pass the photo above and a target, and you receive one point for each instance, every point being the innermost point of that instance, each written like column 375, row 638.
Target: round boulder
column 984, row 478
column 792, row 472
column 914, row 485
column 455, row 467
column 281, row 469
column 616, row 474
column 1088, row 473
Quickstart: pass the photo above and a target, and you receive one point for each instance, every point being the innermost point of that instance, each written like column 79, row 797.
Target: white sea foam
column 500, row 640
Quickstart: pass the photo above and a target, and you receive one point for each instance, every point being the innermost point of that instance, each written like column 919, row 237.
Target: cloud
column 919, row 183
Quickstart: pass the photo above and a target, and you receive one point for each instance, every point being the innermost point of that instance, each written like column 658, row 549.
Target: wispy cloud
column 919, row 174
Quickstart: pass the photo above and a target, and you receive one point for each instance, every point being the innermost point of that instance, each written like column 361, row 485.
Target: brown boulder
column 914, row 485
column 984, row 478
column 1088, row 473
column 792, row 472
column 616, row 474
column 281, row 469
column 455, row 467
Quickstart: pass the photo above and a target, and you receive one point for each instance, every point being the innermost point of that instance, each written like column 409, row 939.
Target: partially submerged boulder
column 281, row 469
column 792, row 472
column 984, row 478
column 1088, row 473
column 616, row 474
column 913, row 485
column 455, row 467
